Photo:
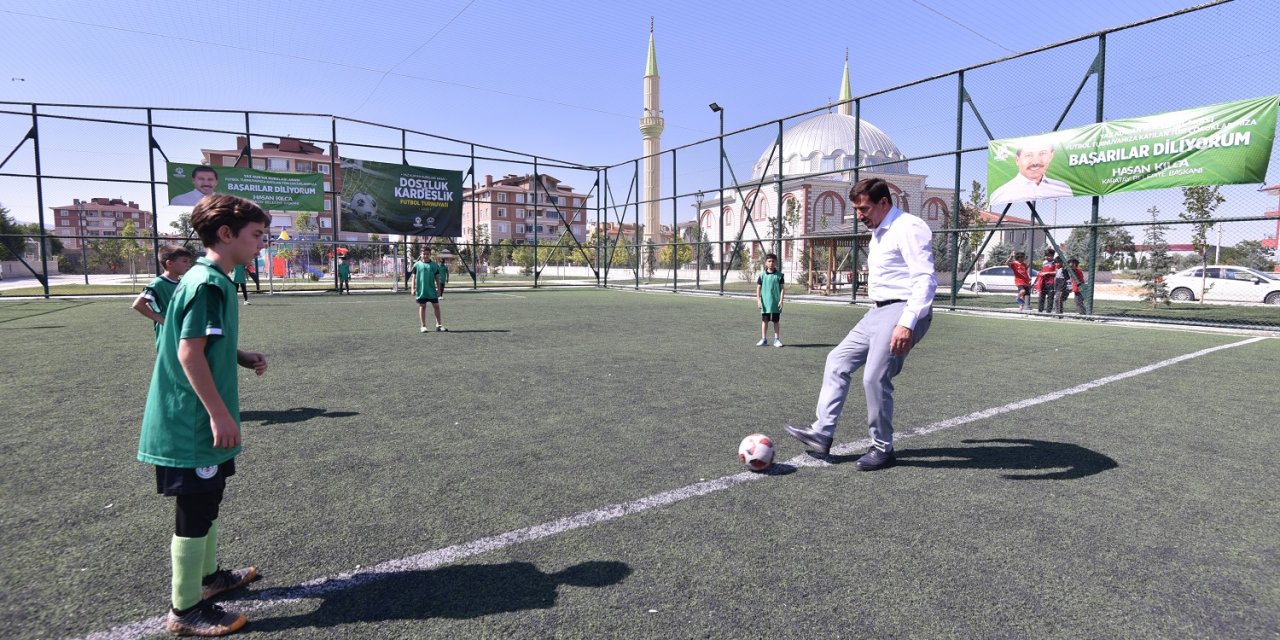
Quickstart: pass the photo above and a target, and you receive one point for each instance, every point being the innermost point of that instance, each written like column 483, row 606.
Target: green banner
column 381, row 197
column 1226, row 143
column 271, row 190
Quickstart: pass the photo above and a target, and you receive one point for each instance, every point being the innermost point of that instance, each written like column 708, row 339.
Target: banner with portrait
column 383, row 197
column 1220, row 144
column 272, row 190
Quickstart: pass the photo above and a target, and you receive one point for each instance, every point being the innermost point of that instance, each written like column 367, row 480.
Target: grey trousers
column 866, row 345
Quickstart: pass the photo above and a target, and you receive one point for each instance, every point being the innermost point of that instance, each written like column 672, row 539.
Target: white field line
column 431, row 559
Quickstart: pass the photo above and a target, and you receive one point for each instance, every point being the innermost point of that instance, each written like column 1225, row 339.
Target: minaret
column 846, row 94
column 651, row 128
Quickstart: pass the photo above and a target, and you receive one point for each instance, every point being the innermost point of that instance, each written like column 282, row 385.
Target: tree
column 523, row 256
column 1113, row 244
column 1000, row 253
column 184, row 228
column 1154, row 288
column 1198, row 205
column 676, row 254
column 1251, row 253
column 703, row 247
column 11, row 245
column 130, row 249
column 970, row 215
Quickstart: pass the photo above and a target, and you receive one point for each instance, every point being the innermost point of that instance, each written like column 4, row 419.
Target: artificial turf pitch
column 1142, row 508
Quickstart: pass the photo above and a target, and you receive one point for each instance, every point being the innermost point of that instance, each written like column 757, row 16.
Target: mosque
column 821, row 144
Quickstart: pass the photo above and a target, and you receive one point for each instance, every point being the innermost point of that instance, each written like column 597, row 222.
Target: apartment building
column 98, row 218
column 518, row 210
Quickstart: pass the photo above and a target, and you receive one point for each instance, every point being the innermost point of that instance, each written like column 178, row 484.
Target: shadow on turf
column 1037, row 459
column 288, row 416
column 458, row 592
column 478, row 331
column 809, row 345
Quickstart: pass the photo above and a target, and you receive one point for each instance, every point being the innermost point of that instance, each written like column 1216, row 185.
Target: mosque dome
column 826, row 143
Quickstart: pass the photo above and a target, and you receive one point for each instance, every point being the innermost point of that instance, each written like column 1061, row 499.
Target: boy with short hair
column 344, row 275
column 155, row 297
column 1021, row 278
column 770, row 291
column 190, row 428
column 1044, row 281
column 429, row 278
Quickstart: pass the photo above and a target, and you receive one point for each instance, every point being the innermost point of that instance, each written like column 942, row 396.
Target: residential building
column 98, row 218
column 518, row 210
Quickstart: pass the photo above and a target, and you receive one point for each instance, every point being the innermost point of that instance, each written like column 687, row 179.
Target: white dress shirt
column 1020, row 188
column 900, row 264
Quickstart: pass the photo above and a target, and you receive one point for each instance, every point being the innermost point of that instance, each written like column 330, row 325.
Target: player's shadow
column 289, row 416
column 1021, row 458
column 479, row 331
column 457, row 592
column 809, row 345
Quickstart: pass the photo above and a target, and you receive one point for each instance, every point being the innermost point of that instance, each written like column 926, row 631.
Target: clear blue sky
column 563, row 79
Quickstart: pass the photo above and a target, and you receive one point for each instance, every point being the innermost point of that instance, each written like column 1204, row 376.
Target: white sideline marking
column 448, row 555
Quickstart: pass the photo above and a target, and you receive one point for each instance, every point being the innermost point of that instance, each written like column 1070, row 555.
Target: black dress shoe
column 815, row 440
column 876, row 459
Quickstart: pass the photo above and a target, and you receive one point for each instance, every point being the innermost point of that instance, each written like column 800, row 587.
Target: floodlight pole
column 720, row 196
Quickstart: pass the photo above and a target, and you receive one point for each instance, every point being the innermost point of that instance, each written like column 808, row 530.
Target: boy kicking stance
column 428, row 286
column 191, row 425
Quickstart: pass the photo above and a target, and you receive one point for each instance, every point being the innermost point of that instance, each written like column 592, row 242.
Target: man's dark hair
column 220, row 210
column 875, row 190
column 170, row 252
column 203, row 167
column 1073, row 262
column 774, row 256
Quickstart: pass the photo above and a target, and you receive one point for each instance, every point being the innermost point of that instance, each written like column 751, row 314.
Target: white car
column 993, row 279
column 1223, row 283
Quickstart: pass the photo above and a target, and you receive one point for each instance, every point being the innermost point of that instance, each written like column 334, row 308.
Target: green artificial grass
column 1146, row 510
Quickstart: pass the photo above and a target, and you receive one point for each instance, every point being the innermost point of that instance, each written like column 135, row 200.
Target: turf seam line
column 432, row 559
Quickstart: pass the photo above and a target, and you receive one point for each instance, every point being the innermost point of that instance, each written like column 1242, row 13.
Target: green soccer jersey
column 239, row 275
column 158, row 295
column 424, row 279
column 344, row 270
column 175, row 424
column 771, row 291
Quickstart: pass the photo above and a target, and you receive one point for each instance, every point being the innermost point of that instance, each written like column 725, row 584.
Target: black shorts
column 1024, row 290
column 426, row 300
column 766, row 317
column 177, row 481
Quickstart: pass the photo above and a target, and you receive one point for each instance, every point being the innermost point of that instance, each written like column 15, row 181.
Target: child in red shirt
column 1021, row 278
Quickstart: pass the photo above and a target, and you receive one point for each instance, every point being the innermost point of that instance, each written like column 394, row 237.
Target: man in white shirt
column 205, row 180
column 902, row 284
column 1033, row 159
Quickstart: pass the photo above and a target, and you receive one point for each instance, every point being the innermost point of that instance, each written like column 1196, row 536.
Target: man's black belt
column 885, row 303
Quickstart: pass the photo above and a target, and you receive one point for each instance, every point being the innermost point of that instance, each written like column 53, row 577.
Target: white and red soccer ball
column 756, row 452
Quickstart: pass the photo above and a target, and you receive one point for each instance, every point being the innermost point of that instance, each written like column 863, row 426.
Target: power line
column 411, row 54
column 963, row 26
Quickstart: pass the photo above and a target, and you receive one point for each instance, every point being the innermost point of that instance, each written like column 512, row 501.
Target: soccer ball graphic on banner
column 756, row 452
column 363, row 205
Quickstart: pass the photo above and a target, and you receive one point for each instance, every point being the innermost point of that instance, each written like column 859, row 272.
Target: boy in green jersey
column 344, row 275
column 190, row 428
column 155, row 297
column 429, row 278
column 239, row 277
column 770, row 291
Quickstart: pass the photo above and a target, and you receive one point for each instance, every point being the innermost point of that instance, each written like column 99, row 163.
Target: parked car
column 993, row 279
column 1223, row 283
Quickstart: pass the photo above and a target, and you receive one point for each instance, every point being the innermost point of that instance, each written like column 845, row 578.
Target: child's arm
column 759, row 300
column 226, row 434
column 782, row 294
column 143, row 306
column 252, row 360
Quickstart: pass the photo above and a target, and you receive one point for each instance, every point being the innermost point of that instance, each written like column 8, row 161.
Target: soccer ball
column 756, row 452
column 363, row 205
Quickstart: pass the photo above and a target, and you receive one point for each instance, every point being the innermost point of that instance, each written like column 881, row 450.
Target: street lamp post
column 697, row 246
column 84, row 257
column 720, row 194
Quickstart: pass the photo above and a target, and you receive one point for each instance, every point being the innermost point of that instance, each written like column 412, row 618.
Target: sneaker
column 762, row 343
column 422, row 330
column 876, row 459
column 246, row 303
column 816, row 441
column 440, row 327
column 222, row 580
column 777, row 342
column 204, row 619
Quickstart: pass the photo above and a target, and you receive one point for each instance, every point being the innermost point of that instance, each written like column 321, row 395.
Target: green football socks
column 211, row 550
column 188, row 561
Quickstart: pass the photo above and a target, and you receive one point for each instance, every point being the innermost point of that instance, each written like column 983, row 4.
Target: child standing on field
column 344, row 275
column 239, row 276
column 1021, row 278
column 770, row 290
column 191, row 425
column 429, row 278
column 155, row 297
